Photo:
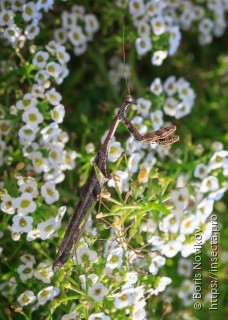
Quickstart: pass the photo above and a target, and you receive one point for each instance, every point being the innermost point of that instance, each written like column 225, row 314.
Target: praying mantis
column 93, row 185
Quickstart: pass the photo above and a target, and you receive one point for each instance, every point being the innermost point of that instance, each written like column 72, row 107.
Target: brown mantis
column 92, row 187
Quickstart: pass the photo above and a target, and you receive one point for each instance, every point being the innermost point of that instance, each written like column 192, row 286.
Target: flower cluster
column 178, row 96
column 157, row 20
column 43, row 144
column 28, row 13
column 153, row 24
column 78, row 27
column 30, row 198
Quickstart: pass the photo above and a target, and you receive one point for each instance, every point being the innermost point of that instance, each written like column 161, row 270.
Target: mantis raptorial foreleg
column 159, row 136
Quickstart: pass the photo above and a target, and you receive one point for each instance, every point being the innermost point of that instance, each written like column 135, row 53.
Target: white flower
column 46, row 294
column 170, row 106
column 218, row 160
column 156, row 262
column 29, row 149
column 143, row 45
column 186, row 291
column 98, row 292
column 27, row 134
column 53, row 97
column 123, row 299
column 25, row 271
column 189, row 224
column 32, row 117
column 50, row 132
column 204, row 209
column 69, row 159
column 161, row 285
column 158, row 25
column 42, row 78
column 209, row 184
column 180, row 198
column 84, row 255
column 58, row 113
column 91, row 23
column 30, row 11
column 70, row 316
column 153, row 8
column 185, row 267
column 188, row 248
column 171, row 248
column 76, row 36
column 62, row 56
column 6, row 17
column 205, row 26
column 47, row 228
column 92, row 277
column 69, row 19
column 170, row 86
column 132, row 145
column 28, row 259
column 30, row 186
column 22, row 223
column 143, row 107
column 44, row 272
column 133, row 162
column 99, row 316
column 7, row 204
column 136, row 7
column 186, row 93
column 157, row 119
column 80, row 49
column 174, row 39
column 186, row 18
column 182, row 110
column 139, row 312
column 49, row 192
column 217, row 146
column 218, row 194
column 5, row 127
column 24, row 204
column 52, row 47
column 158, row 57
column 115, row 151
column 143, row 29
column 170, row 223
column 201, row 171
column 122, row 181
column 32, row 235
column 139, row 125
column 32, row 30
column 12, row 33
column 144, row 172
column 156, row 87
column 53, row 69
column 114, row 259
column 37, row 91
column 44, row 4
column 40, row 59
column 39, row 162
column 26, row 298
column 27, row 102
column 131, row 278
column 55, row 156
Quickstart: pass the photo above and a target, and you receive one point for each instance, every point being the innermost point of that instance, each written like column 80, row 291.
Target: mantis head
column 129, row 100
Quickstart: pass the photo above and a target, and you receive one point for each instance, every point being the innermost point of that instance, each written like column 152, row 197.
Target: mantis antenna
column 127, row 78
